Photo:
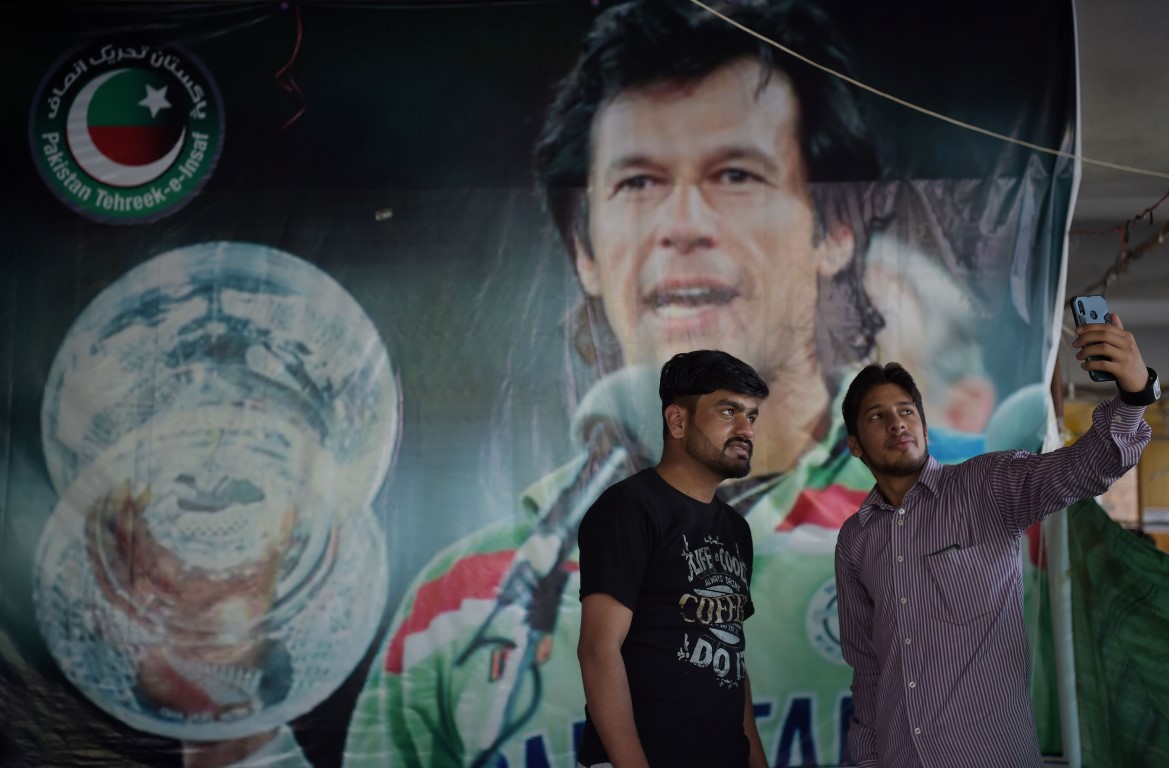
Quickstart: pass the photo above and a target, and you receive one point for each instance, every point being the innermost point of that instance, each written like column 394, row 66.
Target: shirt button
column 903, row 601
column 907, row 641
column 901, row 511
column 912, row 684
column 900, row 558
column 917, row 731
column 900, row 521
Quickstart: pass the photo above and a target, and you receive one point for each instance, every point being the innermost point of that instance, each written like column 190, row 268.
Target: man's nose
column 688, row 221
column 744, row 427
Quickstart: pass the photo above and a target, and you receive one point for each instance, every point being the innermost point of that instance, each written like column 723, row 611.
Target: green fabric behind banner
column 1120, row 623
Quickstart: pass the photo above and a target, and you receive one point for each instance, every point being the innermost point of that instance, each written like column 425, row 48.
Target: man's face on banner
column 701, row 223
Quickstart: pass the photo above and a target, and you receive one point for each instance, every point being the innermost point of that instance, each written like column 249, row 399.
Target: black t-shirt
column 684, row 568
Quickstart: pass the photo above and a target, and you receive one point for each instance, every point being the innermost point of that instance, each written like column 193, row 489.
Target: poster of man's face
column 323, row 324
column 702, row 229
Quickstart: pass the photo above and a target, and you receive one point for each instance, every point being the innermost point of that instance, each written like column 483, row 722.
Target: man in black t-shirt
column 665, row 573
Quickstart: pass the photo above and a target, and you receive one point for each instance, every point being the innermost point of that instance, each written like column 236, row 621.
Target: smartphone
column 1092, row 309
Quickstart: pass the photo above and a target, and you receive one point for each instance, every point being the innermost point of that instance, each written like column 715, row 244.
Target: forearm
column 1111, row 446
column 610, row 706
column 1026, row 488
column 862, row 736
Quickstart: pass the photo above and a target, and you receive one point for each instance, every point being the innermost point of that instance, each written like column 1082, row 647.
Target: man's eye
column 736, row 176
column 635, row 183
column 752, row 418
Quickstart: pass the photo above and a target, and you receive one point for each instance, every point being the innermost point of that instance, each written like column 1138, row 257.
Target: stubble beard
column 705, row 452
column 902, row 468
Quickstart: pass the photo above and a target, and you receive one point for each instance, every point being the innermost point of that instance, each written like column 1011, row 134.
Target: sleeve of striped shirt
column 1026, row 487
column 856, row 623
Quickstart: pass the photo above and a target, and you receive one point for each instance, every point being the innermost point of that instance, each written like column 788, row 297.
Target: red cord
column 284, row 77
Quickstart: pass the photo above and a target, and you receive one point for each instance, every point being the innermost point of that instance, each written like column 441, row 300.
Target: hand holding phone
column 1092, row 309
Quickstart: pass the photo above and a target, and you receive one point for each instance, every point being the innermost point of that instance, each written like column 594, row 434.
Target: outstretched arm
column 1026, row 488
column 603, row 627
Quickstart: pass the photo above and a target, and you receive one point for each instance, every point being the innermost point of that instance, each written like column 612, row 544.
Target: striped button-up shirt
column 931, row 600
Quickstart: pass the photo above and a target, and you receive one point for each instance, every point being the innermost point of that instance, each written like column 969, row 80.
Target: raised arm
column 1027, row 488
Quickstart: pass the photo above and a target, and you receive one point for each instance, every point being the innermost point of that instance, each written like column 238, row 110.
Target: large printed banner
column 322, row 324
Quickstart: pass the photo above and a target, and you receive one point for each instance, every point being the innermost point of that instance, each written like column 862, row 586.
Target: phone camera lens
column 1080, row 306
column 1094, row 315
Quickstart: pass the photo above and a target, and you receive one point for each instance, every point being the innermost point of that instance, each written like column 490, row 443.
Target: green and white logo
column 823, row 624
column 126, row 134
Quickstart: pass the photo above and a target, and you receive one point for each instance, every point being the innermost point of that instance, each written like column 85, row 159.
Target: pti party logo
column 126, row 133
column 823, row 623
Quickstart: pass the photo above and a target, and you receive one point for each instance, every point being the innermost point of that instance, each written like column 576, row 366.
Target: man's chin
column 667, row 335
column 907, row 466
column 737, row 469
column 729, row 468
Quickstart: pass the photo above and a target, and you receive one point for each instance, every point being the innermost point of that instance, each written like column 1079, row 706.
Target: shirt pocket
column 963, row 582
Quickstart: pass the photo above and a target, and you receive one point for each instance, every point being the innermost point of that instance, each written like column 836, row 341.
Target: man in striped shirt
column 927, row 570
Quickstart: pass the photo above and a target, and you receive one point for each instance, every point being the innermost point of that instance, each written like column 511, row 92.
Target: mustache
column 742, row 441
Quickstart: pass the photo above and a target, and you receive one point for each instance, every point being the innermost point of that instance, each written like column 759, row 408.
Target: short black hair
column 688, row 375
column 646, row 42
column 871, row 377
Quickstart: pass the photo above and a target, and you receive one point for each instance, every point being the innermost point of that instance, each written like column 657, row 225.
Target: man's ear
column 836, row 250
column 854, row 447
column 676, row 417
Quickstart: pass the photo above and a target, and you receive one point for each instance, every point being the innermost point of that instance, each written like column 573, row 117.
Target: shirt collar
column 930, row 478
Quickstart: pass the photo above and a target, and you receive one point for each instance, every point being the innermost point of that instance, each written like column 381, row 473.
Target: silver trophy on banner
column 216, row 423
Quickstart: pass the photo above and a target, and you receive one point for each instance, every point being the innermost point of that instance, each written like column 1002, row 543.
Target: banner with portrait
column 324, row 323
